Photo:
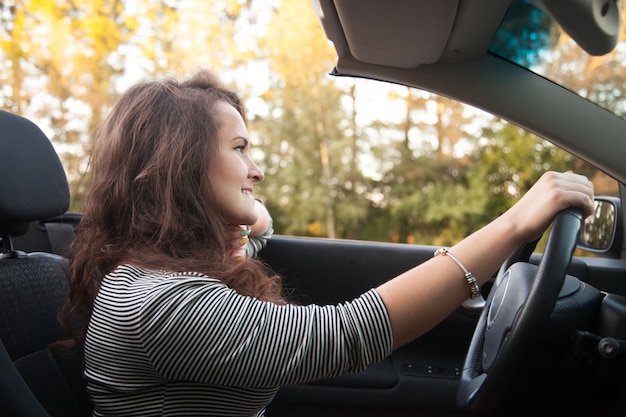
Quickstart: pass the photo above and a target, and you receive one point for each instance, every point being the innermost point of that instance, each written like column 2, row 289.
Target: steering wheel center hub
column 511, row 295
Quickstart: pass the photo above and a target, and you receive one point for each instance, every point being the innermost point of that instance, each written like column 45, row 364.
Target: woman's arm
column 264, row 220
column 260, row 231
column 421, row 297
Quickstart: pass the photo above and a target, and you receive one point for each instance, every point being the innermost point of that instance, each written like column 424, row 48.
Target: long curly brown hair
column 150, row 202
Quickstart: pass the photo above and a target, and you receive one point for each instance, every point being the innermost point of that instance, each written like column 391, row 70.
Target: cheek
column 224, row 181
column 218, row 172
column 229, row 166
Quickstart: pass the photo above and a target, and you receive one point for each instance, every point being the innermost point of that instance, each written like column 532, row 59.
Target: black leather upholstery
column 34, row 185
column 35, row 379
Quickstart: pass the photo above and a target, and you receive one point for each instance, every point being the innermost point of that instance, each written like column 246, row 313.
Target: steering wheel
column 518, row 306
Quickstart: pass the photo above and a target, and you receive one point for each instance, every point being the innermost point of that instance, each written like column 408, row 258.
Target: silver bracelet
column 469, row 277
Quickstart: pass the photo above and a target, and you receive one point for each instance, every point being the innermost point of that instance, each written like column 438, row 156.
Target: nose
column 255, row 172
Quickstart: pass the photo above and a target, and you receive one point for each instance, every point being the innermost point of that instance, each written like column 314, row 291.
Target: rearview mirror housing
column 593, row 24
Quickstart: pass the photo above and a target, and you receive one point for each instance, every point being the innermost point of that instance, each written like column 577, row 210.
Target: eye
column 241, row 145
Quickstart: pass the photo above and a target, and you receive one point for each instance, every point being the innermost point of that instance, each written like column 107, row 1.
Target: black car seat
column 35, row 379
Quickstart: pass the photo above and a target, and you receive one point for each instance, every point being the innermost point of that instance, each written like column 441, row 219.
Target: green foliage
column 427, row 174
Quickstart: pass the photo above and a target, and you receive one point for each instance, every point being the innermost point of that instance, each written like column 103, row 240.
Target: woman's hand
column 264, row 219
column 552, row 193
column 240, row 234
column 238, row 242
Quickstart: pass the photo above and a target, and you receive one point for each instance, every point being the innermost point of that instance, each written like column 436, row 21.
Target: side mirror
column 602, row 230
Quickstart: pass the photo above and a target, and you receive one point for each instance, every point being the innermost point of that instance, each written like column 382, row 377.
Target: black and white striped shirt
column 172, row 344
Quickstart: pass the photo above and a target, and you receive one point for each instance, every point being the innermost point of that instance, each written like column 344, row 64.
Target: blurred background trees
column 343, row 158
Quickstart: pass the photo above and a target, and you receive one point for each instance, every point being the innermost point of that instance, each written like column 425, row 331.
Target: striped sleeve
column 197, row 329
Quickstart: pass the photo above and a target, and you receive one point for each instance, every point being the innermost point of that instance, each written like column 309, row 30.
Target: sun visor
column 397, row 33
column 409, row 33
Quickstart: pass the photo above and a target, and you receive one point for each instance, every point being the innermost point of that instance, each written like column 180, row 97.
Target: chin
column 248, row 219
column 252, row 220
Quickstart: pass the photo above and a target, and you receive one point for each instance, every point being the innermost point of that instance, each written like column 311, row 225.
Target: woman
column 175, row 323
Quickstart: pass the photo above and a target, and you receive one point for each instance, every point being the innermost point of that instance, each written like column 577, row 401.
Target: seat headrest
column 33, row 184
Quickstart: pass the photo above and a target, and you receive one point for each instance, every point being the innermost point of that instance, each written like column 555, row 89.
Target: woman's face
column 232, row 173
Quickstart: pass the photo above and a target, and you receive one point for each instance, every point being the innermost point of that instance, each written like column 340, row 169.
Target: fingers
column 574, row 190
column 239, row 242
column 241, row 238
column 583, row 195
column 552, row 193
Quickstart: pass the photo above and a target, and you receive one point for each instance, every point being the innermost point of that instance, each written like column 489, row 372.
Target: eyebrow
column 242, row 138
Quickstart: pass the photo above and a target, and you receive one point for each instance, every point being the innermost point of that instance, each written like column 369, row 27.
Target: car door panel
column 421, row 377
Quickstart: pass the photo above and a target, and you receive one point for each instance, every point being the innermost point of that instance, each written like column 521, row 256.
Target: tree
column 332, row 170
column 63, row 69
column 308, row 153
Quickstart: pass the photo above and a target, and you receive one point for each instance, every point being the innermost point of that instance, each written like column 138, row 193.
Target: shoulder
column 131, row 279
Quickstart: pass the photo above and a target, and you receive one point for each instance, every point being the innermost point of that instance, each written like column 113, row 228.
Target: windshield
column 530, row 37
